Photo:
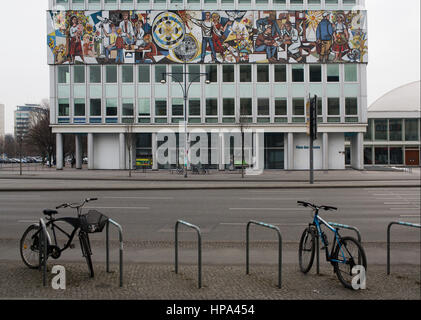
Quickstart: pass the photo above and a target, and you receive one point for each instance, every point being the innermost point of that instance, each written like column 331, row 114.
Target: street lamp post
column 185, row 87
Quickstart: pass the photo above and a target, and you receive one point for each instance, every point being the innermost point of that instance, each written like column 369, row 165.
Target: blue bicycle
column 345, row 254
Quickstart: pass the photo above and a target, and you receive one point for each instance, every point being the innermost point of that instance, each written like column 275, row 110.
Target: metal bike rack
column 401, row 223
column 199, row 247
column 338, row 225
column 120, row 233
column 269, row 226
column 45, row 240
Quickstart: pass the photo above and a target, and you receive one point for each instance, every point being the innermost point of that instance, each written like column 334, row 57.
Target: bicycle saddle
column 49, row 212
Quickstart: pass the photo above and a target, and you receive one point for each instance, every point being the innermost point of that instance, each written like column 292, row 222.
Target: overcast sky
column 393, row 33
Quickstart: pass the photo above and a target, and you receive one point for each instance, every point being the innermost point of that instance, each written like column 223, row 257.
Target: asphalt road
column 222, row 215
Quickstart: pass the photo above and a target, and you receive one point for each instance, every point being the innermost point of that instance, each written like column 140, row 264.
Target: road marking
column 404, row 208
column 129, row 208
column 409, row 215
column 276, row 224
column 262, row 199
column 269, row 209
column 141, row 198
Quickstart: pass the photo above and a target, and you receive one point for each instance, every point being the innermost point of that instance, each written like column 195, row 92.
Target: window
column 313, row 1
column 144, row 74
column 177, row 73
column 212, row 73
column 79, row 109
column 160, row 107
column 368, row 155
column 280, row 107
column 245, row 73
column 263, row 107
column 246, row 107
column 127, row 74
column 63, row 108
column 298, row 73
column 319, row 109
column 95, row 74
column 351, row 73
column 194, row 77
column 159, row 73
column 396, row 155
column 411, row 130
column 211, row 107
column 228, row 73
column 79, row 74
column 333, row 110
column 194, row 107
column 280, row 73
column 395, row 130
column 128, row 108
column 144, row 107
column 380, row 129
column 298, row 110
column 368, row 136
column 351, row 109
column 381, row 155
column 111, row 74
column 331, row 1
column 111, row 107
column 95, row 107
column 177, row 107
column 228, row 107
column 332, row 73
column 315, row 73
column 262, row 73
column 63, row 74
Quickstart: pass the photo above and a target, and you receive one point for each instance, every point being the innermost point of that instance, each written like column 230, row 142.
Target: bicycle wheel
column 29, row 247
column 349, row 253
column 86, row 251
column 307, row 249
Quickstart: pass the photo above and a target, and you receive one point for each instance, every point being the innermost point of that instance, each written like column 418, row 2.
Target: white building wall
column 301, row 152
column 336, row 150
column 106, row 151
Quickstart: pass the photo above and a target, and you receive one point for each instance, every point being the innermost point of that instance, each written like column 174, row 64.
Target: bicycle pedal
column 72, row 246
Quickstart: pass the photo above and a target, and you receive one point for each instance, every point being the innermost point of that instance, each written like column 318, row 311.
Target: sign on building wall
column 231, row 36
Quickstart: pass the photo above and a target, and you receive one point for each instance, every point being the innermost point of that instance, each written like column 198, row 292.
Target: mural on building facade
column 231, row 36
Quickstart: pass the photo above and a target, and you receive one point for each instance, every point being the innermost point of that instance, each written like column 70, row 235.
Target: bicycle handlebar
column 75, row 205
column 308, row 204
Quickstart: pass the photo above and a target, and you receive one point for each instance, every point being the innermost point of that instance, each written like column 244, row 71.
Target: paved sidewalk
column 159, row 281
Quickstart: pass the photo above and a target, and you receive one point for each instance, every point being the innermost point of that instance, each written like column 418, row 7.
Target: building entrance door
column 412, row 157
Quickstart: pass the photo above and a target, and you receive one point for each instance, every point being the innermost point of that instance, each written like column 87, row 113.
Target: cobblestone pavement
column 158, row 281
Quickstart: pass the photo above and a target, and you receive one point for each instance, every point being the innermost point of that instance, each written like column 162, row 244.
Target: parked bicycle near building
column 345, row 253
column 91, row 222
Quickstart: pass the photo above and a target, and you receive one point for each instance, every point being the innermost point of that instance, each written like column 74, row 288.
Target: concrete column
column 122, row 153
column 90, row 151
column 325, row 153
column 290, row 153
column 59, row 151
column 221, row 146
column 154, row 148
column 357, row 151
column 78, row 147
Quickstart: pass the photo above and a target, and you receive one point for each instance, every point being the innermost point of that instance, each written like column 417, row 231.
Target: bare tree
column 40, row 134
column 10, row 146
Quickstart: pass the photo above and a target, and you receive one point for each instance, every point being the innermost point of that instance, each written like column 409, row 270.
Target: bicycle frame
column 318, row 221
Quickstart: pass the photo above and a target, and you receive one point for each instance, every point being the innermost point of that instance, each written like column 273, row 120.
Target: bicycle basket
column 93, row 221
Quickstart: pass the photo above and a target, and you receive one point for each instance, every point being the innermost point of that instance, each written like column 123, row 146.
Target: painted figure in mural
column 112, row 41
column 340, row 37
column 292, row 38
column 119, row 43
column 88, row 46
column 324, row 34
column 218, row 39
column 75, row 39
column 126, row 27
column 208, row 27
column 140, row 33
column 263, row 23
column 149, row 49
column 266, row 43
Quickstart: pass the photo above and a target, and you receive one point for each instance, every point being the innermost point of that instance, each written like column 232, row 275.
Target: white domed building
column 393, row 133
